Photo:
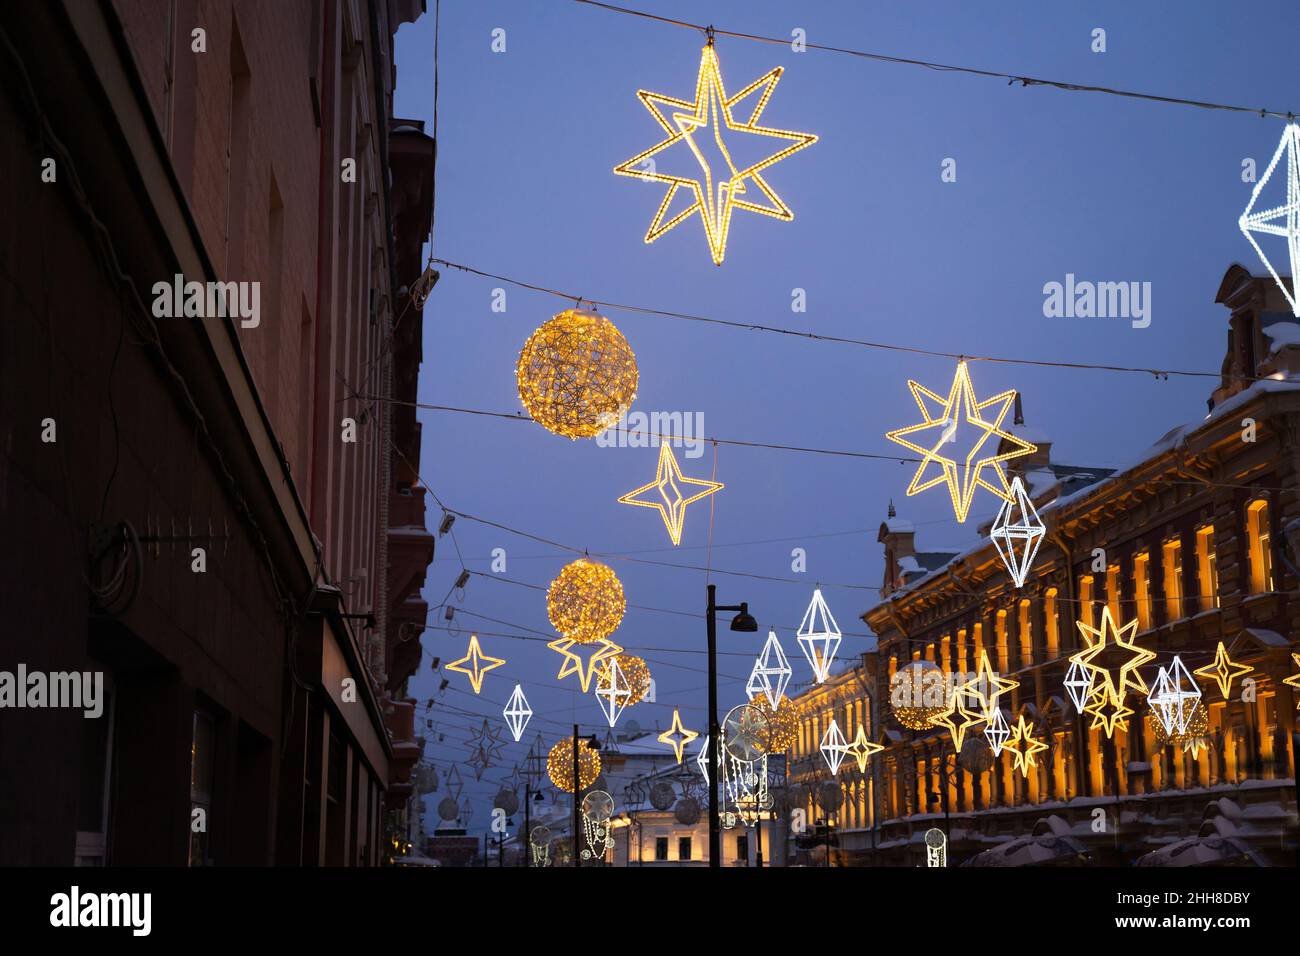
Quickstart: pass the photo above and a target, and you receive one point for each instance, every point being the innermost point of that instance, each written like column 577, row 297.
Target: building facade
column 209, row 255
column 1198, row 542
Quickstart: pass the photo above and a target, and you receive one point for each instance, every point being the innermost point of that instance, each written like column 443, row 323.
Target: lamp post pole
column 528, row 827
column 715, row 836
column 577, row 860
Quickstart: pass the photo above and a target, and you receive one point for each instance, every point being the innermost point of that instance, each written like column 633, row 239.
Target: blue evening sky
column 1048, row 183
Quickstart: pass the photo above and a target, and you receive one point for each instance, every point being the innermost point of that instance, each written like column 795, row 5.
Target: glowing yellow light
column 635, row 672
column 668, row 497
column 986, row 687
column 1294, row 680
column 941, row 430
column 1194, row 718
column 914, row 697
column 585, row 602
column 861, row 749
column 1108, row 712
column 573, row 663
column 677, row 736
column 1223, row 671
column 957, row 709
column 716, row 193
column 479, row 664
column 559, row 765
column 782, row 723
column 1106, row 695
column 576, row 374
column 1023, row 745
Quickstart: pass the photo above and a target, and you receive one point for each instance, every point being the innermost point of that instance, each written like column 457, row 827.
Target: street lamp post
column 741, row 622
column 577, row 860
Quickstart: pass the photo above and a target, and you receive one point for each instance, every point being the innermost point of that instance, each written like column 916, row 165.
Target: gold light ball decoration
column 559, row 765
column 635, row 671
column 782, row 723
column 585, row 602
column 1198, row 725
column 917, row 694
column 577, row 374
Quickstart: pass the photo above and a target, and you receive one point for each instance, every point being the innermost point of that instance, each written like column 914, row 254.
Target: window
column 1025, row 626
column 1000, row 630
column 742, row 847
column 661, row 848
column 1207, row 567
column 684, row 848
column 1173, row 552
column 1112, row 592
column 1142, row 588
column 1053, row 626
column 1260, row 539
column 201, row 746
column 96, row 773
column 1086, row 609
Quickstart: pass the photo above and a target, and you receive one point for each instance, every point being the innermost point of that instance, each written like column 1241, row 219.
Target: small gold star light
column 1023, row 745
column 1224, row 671
column 957, row 425
column 677, row 736
column 666, row 492
column 1108, row 687
column 861, row 749
column 479, row 664
column 1294, row 680
column 720, row 186
column 957, row 709
column 601, row 651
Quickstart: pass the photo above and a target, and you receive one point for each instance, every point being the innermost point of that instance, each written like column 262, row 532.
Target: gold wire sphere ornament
column 559, row 765
column 635, row 671
column 1198, row 725
column 585, row 602
column 782, row 723
column 917, row 694
column 577, row 375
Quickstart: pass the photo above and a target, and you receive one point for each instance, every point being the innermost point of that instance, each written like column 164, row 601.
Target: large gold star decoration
column 861, row 749
column 667, row 489
column 944, row 417
column 986, row 687
column 1294, row 680
column 476, row 659
column 1224, row 671
column 1109, row 686
column 602, row 650
column 1023, row 745
column 677, row 736
column 957, row 717
column 719, row 191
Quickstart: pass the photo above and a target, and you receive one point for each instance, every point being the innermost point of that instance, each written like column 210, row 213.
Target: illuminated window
column 1207, row 567
column 1173, row 566
column 1260, row 538
column 742, row 847
column 1001, row 633
column 963, row 662
column 1112, row 591
column 1053, row 626
column 1142, row 588
column 1026, row 628
column 1086, row 610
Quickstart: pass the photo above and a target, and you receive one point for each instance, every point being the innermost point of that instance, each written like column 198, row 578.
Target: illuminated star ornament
column 1023, row 745
column 677, row 736
column 706, row 126
column 666, row 492
column 1224, row 671
column 517, row 714
column 478, row 664
column 1294, row 680
column 861, row 749
column 600, row 651
column 1105, row 700
column 819, row 636
column 1279, row 220
column 834, row 747
column 612, row 690
column 771, row 672
column 946, row 432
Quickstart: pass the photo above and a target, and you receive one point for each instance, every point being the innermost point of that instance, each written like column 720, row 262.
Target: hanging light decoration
column 585, row 602
column 559, row 765
column 782, row 723
column 1195, row 721
column 635, row 671
column 1279, row 218
column 918, row 695
column 577, row 375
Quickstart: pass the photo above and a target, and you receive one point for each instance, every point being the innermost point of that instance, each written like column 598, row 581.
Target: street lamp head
column 538, row 798
column 744, row 621
column 593, row 743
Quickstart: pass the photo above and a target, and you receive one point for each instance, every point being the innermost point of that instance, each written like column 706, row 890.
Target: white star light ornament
column 819, row 636
column 834, row 747
column 1283, row 220
column 771, row 664
column 1172, row 689
column 1017, row 532
column 517, row 713
column 613, row 691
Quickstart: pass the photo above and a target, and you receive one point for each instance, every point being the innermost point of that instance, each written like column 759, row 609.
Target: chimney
column 898, row 536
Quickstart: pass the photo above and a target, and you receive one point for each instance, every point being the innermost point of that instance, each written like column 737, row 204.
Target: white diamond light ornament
column 819, row 636
column 1172, row 689
column 1283, row 220
column 833, row 747
column 997, row 732
column 771, row 672
column 1078, row 683
column 702, row 760
column 1017, row 532
column 517, row 712
column 613, row 691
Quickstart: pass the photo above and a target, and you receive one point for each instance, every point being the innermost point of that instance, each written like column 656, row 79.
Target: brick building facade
column 256, row 708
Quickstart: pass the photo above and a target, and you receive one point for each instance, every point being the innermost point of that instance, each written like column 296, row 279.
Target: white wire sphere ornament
column 598, row 806
column 662, row 795
column 745, row 732
column 687, row 811
column 507, row 800
column 540, row 836
column 829, row 796
column 448, row 809
column 576, row 374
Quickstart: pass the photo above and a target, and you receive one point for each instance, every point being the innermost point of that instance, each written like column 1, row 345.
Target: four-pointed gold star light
column 861, row 749
column 478, row 664
column 721, row 186
column 666, row 492
column 1224, row 671
column 957, row 717
column 1294, row 680
column 600, row 651
column 677, row 736
column 986, row 687
column 1109, row 686
column 936, row 441
column 1023, row 745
